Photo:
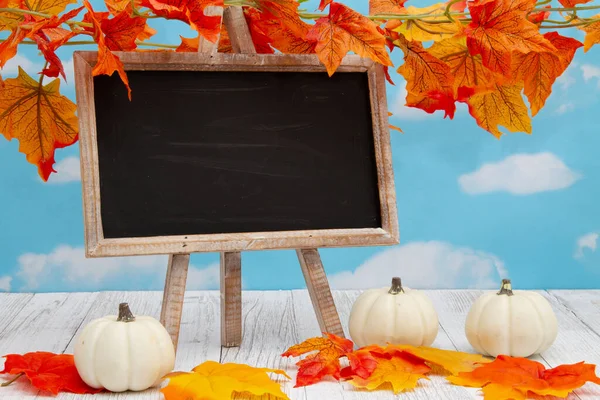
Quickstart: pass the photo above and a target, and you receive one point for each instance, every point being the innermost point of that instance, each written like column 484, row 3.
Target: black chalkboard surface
column 208, row 152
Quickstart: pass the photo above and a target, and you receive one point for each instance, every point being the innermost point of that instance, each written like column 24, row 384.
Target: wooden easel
column 231, row 266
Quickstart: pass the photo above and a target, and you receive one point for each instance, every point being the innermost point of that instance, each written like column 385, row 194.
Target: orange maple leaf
column 48, row 371
column 592, row 34
column 285, row 11
column 436, row 27
column 540, row 16
column 39, row 117
column 262, row 42
column 501, row 105
column 399, row 369
column 515, row 377
column 467, row 70
column 279, row 33
column 121, row 32
column 572, row 3
column 107, row 62
column 326, row 362
column 539, row 70
column 346, row 30
column 214, row 381
column 452, row 361
column 500, row 28
column 386, row 7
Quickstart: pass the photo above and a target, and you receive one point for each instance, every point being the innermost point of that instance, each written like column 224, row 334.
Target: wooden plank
column 585, row 304
column 173, row 295
column 320, row 293
column 11, row 305
column 231, row 299
column 239, row 33
column 46, row 323
column 269, row 329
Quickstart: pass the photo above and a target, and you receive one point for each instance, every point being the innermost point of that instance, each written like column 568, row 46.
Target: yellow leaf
column 428, row 28
column 452, row 361
column 52, row 7
column 399, row 370
column 39, row 117
column 592, row 34
column 215, row 381
column 502, row 106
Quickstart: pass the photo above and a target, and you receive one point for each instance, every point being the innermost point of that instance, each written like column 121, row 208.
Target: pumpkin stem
column 125, row 314
column 396, row 286
column 506, row 288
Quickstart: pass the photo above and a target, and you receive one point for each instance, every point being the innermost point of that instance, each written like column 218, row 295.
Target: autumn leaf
column 346, row 30
column 399, row 369
column 39, row 117
column 121, row 32
column 8, row 48
column 432, row 28
column 262, row 43
column 214, row 381
column 452, row 361
column 285, row 11
column 539, row 70
column 107, row 62
column 386, row 7
column 499, row 29
column 279, row 34
column 48, row 371
column 572, row 3
column 515, row 377
column 324, row 363
column 592, row 34
column 540, row 16
column 502, row 105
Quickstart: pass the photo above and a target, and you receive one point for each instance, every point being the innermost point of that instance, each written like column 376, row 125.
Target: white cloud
column 431, row 264
column 520, row 174
column 566, row 80
column 5, row 283
column 11, row 68
column 587, row 241
column 564, row 108
column 68, row 170
column 67, row 267
column 591, row 72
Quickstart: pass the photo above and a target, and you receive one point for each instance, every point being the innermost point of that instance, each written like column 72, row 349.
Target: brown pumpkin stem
column 396, row 286
column 506, row 288
column 125, row 314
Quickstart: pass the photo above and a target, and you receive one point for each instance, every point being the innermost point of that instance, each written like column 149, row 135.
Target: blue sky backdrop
column 472, row 209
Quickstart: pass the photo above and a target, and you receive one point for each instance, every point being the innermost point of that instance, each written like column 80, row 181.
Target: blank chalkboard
column 204, row 152
column 234, row 152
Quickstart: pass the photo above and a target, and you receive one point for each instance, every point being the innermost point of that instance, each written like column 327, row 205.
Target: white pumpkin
column 398, row 316
column 518, row 324
column 124, row 352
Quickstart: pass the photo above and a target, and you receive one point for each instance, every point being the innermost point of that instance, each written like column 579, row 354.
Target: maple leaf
column 592, row 34
column 429, row 81
column 121, row 32
column 8, row 48
column 215, row 381
column 515, row 377
column 107, row 62
column 286, row 11
column 324, row 363
column 39, row 117
column 433, row 28
column 500, row 28
column 572, row 3
column 262, row 43
column 48, row 371
column 540, row 16
column 502, row 105
column 400, row 369
column 386, row 7
column 452, row 361
column 346, row 30
column 540, row 70
column 279, row 34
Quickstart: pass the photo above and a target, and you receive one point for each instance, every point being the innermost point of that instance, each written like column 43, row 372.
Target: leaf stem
column 5, row 384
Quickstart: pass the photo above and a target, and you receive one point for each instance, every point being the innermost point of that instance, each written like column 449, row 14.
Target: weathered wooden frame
column 98, row 246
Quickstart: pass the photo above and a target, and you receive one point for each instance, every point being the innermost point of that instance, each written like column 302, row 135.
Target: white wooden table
column 273, row 321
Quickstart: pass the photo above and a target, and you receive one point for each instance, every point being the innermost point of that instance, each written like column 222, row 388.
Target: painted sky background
column 472, row 209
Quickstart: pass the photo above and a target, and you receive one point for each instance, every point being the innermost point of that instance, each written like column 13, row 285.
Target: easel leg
column 172, row 305
column 231, row 299
column 319, row 291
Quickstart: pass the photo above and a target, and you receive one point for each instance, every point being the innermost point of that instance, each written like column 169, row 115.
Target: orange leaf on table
column 326, row 362
column 515, row 377
column 48, row 371
column 214, row 381
column 107, row 62
column 452, row 361
column 346, row 30
column 434, row 27
column 399, row 369
column 502, row 105
column 500, row 28
column 539, row 70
